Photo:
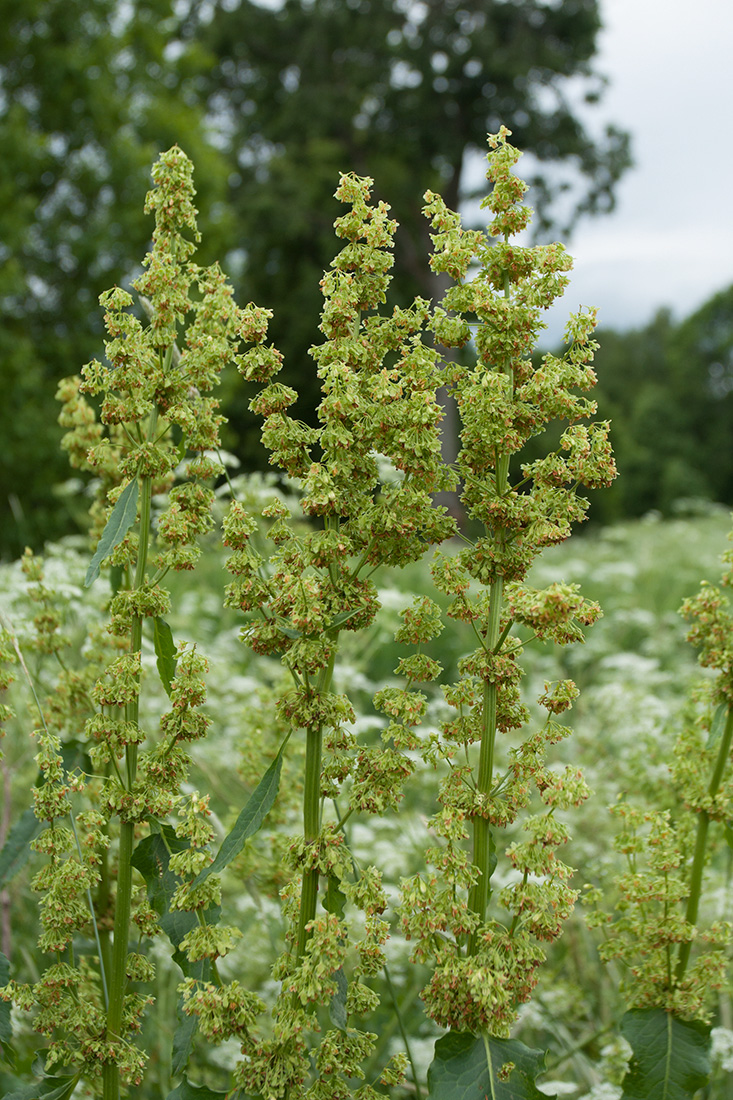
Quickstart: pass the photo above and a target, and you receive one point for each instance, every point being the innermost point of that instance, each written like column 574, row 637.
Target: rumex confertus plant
column 380, row 372
column 155, row 409
column 675, row 956
column 485, row 943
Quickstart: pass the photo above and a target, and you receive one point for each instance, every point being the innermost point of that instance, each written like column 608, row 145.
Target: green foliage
column 670, row 1059
column 470, row 1068
column 249, row 821
column 15, row 851
column 91, row 94
column 121, row 519
column 404, row 94
column 667, row 388
column 188, row 1091
column 272, row 105
column 296, row 979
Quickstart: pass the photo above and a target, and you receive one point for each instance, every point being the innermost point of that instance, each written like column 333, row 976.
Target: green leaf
column 250, row 819
column 671, row 1058
column 49, row 1088
column 116, row 574
column 334, row 900
column 152, row 859
column 15, row 851
column 6, row 1031
column 165, row 651
column 717, row 726
column 119, row 523
column 188, row 1091
column 183, row 1038
column 466, row 1067
column 337, row 1005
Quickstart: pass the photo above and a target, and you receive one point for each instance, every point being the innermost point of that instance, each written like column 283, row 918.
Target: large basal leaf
column 119, row 523
column 671, row 1057
column 48, row 1088
column 16, row 850
column 467, row 1067
column 165, row 652
column 250, row 819
column 183, row 1036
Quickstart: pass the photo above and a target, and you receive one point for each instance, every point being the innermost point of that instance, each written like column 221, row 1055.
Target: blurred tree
column 403, row 91
column 668, row 388
column 90, row 92
column 270, row 102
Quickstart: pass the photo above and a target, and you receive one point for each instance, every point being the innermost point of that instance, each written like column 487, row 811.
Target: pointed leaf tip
column 119, row 523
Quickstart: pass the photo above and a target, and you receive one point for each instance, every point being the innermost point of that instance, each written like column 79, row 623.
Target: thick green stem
column 123, row 899
column 480, row 892
column 311, row 828
column 111, row 1075
column 698, row 859
column 479, row 896
column 312, row 810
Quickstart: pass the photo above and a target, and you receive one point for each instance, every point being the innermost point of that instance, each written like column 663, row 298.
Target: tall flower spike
column 486, row 944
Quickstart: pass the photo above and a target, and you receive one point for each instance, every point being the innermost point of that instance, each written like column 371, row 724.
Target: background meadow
column 635, row 672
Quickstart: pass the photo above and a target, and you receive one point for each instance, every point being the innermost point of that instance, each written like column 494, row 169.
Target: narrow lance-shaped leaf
column 717, row 726
column 165, row 652
column 6, row 1030
column 671, row 1057
column 119, row 523
column 469, row 1067
column 250, row 819
column 16, row 849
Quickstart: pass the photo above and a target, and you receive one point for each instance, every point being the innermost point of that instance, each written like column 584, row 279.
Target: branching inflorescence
column 156, row 440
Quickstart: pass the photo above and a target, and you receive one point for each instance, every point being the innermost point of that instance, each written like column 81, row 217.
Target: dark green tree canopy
column 89, row 94
column 271, row 103
column 668, row 388
column 402, row 91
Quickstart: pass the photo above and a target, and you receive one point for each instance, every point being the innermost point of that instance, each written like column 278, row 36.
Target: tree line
column 271, row 103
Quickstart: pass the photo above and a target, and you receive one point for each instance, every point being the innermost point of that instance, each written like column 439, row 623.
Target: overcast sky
column 670, row 240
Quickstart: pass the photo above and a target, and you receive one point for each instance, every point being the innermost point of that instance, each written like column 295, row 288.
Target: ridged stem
column 123, row 898
column 478, row 898
column 312, row 810
column 698, row 859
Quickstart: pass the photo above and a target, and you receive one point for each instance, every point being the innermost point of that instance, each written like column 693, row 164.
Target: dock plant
column 675, row 958
column 125, row 839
